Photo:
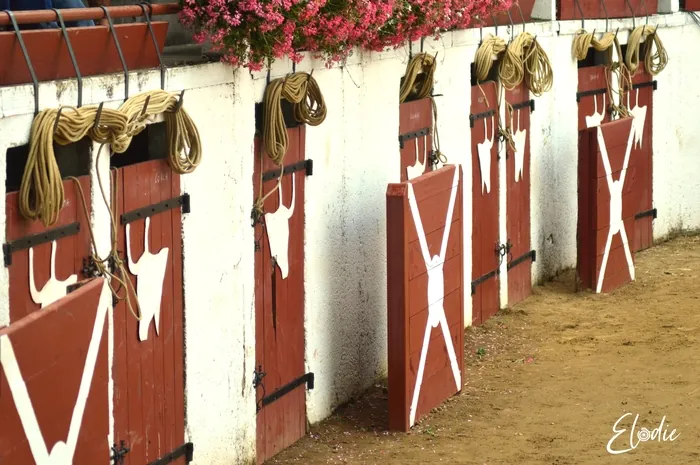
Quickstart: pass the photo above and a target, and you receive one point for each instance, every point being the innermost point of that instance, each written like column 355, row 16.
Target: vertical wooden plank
column 414, row 116
column 132, row 186
column 165, row 186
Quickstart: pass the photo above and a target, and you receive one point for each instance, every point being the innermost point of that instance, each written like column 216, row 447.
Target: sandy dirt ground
column 547, row 379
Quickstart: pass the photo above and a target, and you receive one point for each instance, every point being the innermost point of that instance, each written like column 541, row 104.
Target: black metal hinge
column 118, row 454
column 588, row 93
column 528, row 103
column 142, row 213
column 475, row 117
column 412, row 135
column 186, row 450
column 646, row 213
column 528, row 255
column 307, row 379
column 653, row 84
column 37, row 239
column 307, row 165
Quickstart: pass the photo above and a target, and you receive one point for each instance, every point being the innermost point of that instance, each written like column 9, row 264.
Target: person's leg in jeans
column 72, row 4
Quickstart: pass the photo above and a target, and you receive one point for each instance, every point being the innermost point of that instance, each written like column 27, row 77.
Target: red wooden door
column 279, row 301
column 591, row 9
column 425, row 303
column 415, row 137
column 640, row 102
column 67, row 246
column 54, row 403
column 520, row 256
column 592, row 97
column 148, row 354
column 484, row 133
column 607, row 201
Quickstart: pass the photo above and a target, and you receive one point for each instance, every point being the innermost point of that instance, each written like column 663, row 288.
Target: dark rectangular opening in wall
column 290, row 120
column 492, row 76
column 72, row 159
column 420, row 78
column 595, row 58
column 149, row 144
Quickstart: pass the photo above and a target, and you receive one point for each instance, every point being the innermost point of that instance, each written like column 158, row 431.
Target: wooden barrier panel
column 54, row 382
column 425, row 303
column 607, row 201
column 592, row 97
column 148, row 354
column 600, row 9
column 640, row 102
column 520, row 255
column 485, row 211
column 93, row 46
column 55, row 263
column 279, row 300
column 415, row 137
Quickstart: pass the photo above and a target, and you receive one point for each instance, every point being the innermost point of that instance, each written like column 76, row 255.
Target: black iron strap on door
column 307, row 379
column 142, row 213
column 531, row 255
column 475, row 117
column 186, row 450
column 306, row 165
column 588, row 93
column 646, row 213
column 527, row 103
column 27, row 242
column 483, row 278
column 653, row 84
column 412, row 135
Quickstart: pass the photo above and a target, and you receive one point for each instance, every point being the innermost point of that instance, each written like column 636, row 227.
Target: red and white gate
column 279, row 300
column 54, row 401
column 520, row 255
column 485, row 209
column 425, row 294
column 415, row 138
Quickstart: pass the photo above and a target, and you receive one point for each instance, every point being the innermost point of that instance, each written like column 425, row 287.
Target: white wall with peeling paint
column 355, row 153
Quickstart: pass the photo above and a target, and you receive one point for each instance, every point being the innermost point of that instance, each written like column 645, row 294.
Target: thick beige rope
column 525, row 59
column 41, row 193
column 302, row 90
column 654, row 63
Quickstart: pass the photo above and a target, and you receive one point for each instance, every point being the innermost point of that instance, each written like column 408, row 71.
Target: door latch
column 118, row 454
column 258, row 376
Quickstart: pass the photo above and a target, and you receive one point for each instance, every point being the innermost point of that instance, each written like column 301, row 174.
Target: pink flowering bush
column 252, row 32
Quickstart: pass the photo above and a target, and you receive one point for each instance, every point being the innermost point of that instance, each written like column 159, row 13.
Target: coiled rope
column 525, row 59
column 417, row 83
column 302, row 90
column 41, row 194
column 585, row 40
column 654, row 63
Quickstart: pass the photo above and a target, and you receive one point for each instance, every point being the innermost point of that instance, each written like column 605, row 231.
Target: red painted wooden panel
column 568, row 9
column 691, row 5
column 70, row 251
column 485, row 237
column 594, row 207
column 408, row 305
column 93, row 46
column 642, row 154
column 518, row 16
column 414, row 116
column 279, row 338
column 149, row 375
column 518, row 198
column 55, row 354
column 592, row 78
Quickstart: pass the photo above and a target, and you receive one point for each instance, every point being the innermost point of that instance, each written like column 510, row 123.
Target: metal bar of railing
column 82, row 14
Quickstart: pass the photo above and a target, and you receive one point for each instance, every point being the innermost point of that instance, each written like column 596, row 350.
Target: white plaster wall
column 356, row 153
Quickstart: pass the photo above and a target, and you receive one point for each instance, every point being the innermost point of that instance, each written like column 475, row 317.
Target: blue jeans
column 20, row 5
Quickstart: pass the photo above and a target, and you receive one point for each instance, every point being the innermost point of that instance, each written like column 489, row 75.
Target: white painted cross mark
column 484, row 151
column 596, row 118
column 150, row 273
column 62, row 452
column 418, row 168
column 436, row 292
column 53, row 289
column 640, row 116
column 519, row 141
column 615, row 187
column 277, row 226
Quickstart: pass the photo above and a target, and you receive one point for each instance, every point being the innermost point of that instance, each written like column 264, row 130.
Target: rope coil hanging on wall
column 416, row 84
column 41, row 194
column 303, row 92
column 654, row 63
